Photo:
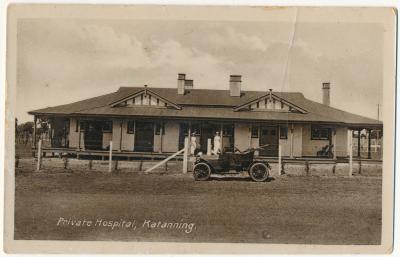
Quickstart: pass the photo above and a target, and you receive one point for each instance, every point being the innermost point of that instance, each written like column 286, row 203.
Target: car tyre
column 259, row 172
column 201, row 171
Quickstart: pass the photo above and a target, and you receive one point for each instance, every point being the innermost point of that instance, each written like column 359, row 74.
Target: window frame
column 253, row 128
column 130, row 127
column 285, row 131
column 319, row 130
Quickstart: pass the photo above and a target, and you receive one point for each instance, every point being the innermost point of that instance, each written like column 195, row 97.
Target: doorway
column 269, row 136
column 93, row 134
column 144, row 136
column 208, row 131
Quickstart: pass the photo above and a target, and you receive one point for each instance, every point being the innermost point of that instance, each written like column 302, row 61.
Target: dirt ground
column 303, row 210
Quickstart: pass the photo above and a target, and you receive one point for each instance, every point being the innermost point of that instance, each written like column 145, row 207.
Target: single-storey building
column 156, row 120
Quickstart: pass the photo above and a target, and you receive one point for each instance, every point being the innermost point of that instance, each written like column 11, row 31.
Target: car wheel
column 201, row 171
column 259, row 172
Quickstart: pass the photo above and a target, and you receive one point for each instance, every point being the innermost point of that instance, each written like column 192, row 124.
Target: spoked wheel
column 259, row 172
column 201, row 171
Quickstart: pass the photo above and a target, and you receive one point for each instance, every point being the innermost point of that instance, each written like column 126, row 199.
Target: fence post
column 39, row 158
column 185, row 155
column 280, row 159
column 110, row 158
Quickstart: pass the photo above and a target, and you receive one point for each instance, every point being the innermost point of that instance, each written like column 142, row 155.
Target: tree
column 27, row 127
column 24, row 131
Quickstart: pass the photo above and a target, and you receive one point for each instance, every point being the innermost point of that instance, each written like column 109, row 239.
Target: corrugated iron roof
column 212, row 104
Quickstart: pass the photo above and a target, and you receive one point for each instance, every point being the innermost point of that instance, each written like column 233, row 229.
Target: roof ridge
column 211, row 89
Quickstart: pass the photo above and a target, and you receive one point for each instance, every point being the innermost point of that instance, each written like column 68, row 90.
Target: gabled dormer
column 145, row 98
column 270, row 102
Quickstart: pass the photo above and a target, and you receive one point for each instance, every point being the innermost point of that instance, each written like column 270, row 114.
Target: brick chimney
column 188, row 84
column 326, row 86
column 181, row 83
column 235, row 84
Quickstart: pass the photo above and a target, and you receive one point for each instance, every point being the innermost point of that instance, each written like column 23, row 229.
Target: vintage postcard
column 199, row 129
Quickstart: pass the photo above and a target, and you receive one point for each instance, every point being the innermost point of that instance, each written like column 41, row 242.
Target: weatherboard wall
column 242, row 135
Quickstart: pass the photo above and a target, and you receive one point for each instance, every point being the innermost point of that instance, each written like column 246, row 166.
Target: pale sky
column 66, row 60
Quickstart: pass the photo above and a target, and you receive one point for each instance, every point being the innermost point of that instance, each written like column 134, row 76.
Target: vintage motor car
column 231, row 163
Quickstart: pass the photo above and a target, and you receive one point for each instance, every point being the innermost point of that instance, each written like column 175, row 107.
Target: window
column 131, row 127
column 107, row 127
column 254, row 132
column 283, row 132
column 160, row 128
column 318, row 133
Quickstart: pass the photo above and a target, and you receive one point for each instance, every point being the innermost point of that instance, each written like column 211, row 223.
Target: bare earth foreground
column 305, row 210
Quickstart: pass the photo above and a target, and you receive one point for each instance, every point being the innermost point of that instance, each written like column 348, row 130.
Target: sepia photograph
column 265, row 127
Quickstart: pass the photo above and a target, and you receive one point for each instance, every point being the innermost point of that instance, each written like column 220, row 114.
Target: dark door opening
column 60, row 133
column 269, row 136
column 144, row 136
column 93, row 135
column 208, row 131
